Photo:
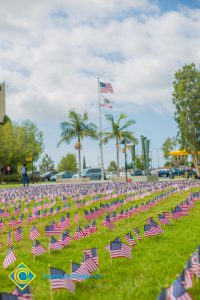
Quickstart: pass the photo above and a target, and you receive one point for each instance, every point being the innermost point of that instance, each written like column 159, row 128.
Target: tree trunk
column 117, row 148
column 195, row 160
column 79, row 158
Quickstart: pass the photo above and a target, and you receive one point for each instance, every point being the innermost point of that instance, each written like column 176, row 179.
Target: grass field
column 155, row 262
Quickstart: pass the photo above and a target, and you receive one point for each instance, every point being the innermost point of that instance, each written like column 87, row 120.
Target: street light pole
column 125, row 159
column 158, row 157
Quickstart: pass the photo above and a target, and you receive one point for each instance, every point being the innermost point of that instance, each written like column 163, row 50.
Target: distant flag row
column 40, row 193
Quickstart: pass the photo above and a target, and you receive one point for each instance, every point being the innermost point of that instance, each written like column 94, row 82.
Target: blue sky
column 51, row 53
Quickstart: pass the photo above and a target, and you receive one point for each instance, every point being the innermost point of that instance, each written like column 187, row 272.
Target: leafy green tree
column 139, row 164
column 186, row 99
column 77, row 127
column 7, row 143
column 169, row 145
column 68, row 163
column 118, row 132
column 18, row 142
column 112, row 166
column 46, row 164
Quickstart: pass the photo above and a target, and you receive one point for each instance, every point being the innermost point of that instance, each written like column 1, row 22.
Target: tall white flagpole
column 100, row 129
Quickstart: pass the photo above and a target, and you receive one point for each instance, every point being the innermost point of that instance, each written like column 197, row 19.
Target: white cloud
column 51, row 53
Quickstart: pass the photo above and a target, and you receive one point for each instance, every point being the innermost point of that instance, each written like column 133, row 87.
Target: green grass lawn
column 155, row 262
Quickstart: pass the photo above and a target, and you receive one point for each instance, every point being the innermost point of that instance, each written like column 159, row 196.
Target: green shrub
column 12, row 178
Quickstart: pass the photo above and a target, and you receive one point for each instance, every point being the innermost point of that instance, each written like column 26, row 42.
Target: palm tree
column 118, row 132
column 77, row 127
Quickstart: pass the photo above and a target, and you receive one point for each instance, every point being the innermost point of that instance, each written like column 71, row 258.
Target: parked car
column 93, row 174
column 65, row 174
column 175, row 172
column 189, row 173
column 137, row 173
column 34, row 176
column 76, row 175
column 46, row 176
column 110, row 175
column 163, row 173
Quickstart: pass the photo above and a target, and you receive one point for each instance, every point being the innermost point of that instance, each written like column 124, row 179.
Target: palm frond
column 129, row 136
column 121, row 117
column 109, row 118
column 127, row 124
column 85, row 117
column 107, row 136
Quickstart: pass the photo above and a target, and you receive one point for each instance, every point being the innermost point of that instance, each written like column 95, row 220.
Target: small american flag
column 13, row 222
column 105, row 87
column 163, row 219
column 60, row 280
column 26, row 294
column 2, row 224
column 93, row 227
column 18, row 234
column 76, row 218
column 6, row 296
column 38, row 249
column 78, row 234
column 65, row 239
column 10, row 258
column 9, row 240
column 79, row 273
column 64, row 223
column 130, row 239
column 93, row 253
column 178, row 291
column 54, row 244
column 87, row 230
column 163, row 295
column 51, row 230
column 88, row 263
column 34, row 233
column 118, row 249
column 137, row 232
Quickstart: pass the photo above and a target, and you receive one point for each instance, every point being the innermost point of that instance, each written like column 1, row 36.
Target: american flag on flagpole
column 105, row 87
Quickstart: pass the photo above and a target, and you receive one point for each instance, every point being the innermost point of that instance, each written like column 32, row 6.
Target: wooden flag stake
column 98, row 259
column 49, row 245
column 51, row 292
column 197, row 278
column 193, row 279
column 110, row 254
column 70, row 270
